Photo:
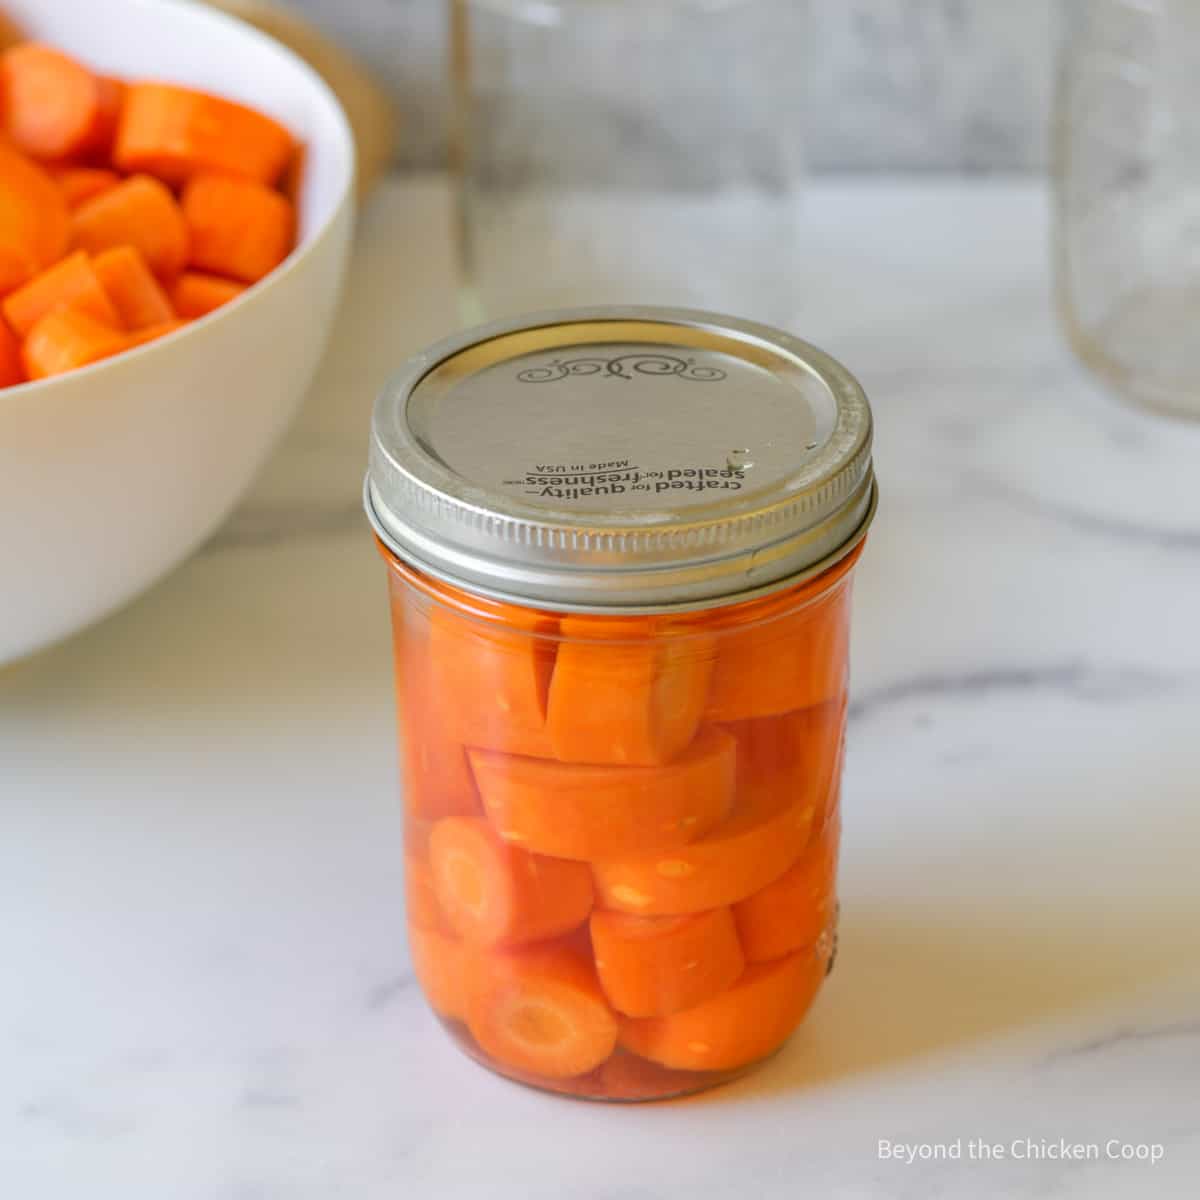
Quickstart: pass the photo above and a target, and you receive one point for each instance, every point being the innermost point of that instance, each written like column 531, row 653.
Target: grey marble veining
column 903, row 84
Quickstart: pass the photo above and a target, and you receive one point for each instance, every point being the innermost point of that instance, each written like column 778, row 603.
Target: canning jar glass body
column 1127, row 204
column 617, row 150
column 621, row 831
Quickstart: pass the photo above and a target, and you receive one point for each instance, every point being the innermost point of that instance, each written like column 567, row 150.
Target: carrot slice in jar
column 782, row 753
column 622, row 692
column 441, row 964
column 491, row 679
column 421, row 905
column 793, row 653
column 770, row 825
column 496, row 894
column 653, row 966
column 737, row 1026
column 436, row 774
column 440, row 959
column 794, row 911
column 541, row 1011
column 589, row 812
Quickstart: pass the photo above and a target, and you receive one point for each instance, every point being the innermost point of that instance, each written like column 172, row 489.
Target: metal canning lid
column 636, row 459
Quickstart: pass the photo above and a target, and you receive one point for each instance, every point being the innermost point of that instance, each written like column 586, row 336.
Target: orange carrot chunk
column 491, row 678
column 794, row 656
column 737, row 1026
column 51, row 104
column 12, row 370
column 151, row 333
column 541, row 1011
column 174, row 132
column 71, row 283
column 11, row 34
column 767, row 830
column 495, row 894
column 111, row 99
column 421, row 905
column 236, row 226
column 139, row 212
column 441, row 964
column 436, row 774
column 653, row 966
column 780, row 754
column 622, row 692
column 588, row 812
column 796, row 909
column 65, row 339
column 34, row 221
column 136, row 295
column 195, row 294
column 79, row 184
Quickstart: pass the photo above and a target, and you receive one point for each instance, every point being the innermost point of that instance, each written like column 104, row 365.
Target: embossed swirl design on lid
column 630, row 459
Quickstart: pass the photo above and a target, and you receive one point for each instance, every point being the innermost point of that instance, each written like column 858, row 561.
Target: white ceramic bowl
column 112, row 474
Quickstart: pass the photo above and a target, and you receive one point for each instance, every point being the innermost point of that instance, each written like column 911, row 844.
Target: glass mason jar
column 1127, row 197
column 612, row 149
column 621, row 615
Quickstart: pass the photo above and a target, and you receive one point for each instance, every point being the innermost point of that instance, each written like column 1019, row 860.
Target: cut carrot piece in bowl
column 12, row 369
column 792, row 913
column 138, row 212
column 66, row 339
column 771, row 822
column 195, row 294
column 588, row 812
column 491, row 679
column 235, row 226
column 151, row 333
column 541, row 1011
column 35, row 225
column 131, row 286
column 494, row 894
column 71, row 283
column 653, row 966
column 111, row 96
column 441, row 964
column 78, row 184
column 736, row 1027
column 51, row 104
column 623, row 692
column 174, row 132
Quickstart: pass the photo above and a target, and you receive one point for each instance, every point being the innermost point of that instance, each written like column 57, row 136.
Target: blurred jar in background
column 629, row 151
column 1127, row 180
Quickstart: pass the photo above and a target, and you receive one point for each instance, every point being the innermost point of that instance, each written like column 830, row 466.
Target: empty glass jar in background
column 1127, row 180
column 617, row 150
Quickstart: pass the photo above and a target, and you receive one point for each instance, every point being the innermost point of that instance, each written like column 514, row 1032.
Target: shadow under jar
column 620, row 545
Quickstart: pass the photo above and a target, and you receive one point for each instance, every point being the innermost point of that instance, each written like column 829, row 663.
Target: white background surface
column 204, row 987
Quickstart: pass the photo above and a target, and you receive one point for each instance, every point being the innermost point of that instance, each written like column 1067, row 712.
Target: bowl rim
column 343, row 197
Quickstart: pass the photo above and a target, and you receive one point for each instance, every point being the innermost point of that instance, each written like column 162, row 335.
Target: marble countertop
column 204, row 987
